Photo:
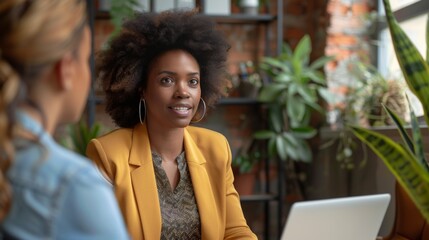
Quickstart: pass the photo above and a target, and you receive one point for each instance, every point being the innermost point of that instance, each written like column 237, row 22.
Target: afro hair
column 123, row 67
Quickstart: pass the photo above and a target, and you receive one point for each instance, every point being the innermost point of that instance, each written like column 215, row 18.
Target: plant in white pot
column 250, row 7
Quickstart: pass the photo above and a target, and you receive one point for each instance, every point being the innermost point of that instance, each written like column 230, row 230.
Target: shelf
column 238, row 101
column 257, row 198
column 328, row 133
column 243, row 18
column 233, row 18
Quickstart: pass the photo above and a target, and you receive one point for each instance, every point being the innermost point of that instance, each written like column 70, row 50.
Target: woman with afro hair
column 172, row 180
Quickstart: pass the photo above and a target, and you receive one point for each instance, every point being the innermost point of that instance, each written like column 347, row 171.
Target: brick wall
column 303, row 17
column 348, row 39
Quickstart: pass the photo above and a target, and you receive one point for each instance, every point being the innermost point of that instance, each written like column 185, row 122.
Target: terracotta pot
column 409, row 222
column 244, row 182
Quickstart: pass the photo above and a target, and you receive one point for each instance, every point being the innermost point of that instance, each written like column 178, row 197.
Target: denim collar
column 31, row 125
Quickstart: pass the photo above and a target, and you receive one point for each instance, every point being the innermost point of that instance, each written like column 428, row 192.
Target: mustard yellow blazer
column 125, row 156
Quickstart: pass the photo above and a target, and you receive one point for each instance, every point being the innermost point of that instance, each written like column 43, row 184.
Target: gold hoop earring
column 204, row 112
column 140, row 110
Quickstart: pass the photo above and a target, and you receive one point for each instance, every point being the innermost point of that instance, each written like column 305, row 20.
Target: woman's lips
column 181, row 110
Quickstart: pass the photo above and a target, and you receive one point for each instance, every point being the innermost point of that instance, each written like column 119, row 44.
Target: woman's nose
column 181, row 90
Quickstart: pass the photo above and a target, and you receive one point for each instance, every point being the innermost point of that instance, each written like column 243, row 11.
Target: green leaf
column 307, row 93
column 245, row 162
column 286, row 52
column 301, row 57
column 283, row 78
column 316, row 76
column 271, row 92
column 316, row 107
column 281, row 147
column 269, row 62
column 304, row 132
column 327, row 95
column 321, row 62
column 296, row 111
column 292, row 140
column 296, row 148
column 399, row 124
column 297, row 70
column 304, row 152
column 84, row 131
column 275, row 117
column 80, row 134
column 292, row 89
column 96, row 128
column 427, row 40
column 402, row 164
column 120, row 11
column 413, row 66
column 305, row 120
column 272, row 72
column 264, row 134
column 292, row 152
column 302, row 51
column 291, row 146
column 418, row 141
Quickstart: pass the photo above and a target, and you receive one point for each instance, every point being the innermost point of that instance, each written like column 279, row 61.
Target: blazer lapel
column 144, row 183
column 202, row 189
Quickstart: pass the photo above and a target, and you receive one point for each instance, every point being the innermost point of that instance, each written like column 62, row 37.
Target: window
column 398, row 4
column 412, row 16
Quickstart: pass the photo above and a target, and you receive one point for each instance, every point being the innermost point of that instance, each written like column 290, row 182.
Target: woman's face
column 173, row 89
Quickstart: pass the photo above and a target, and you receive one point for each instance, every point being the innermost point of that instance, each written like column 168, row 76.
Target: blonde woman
column 47, row 192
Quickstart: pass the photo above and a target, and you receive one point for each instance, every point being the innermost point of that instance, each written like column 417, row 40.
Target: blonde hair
column 34, row 34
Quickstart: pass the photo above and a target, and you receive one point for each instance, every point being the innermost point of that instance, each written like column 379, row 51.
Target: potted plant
column 364, row 101
column 121, row 10
column 245, row 172
column 363, row 106
column 79, row 135
column 244, row 166
column 246, row 162
column 406, row 161
column 250, row 81
column 250, row 7
column 297, row 90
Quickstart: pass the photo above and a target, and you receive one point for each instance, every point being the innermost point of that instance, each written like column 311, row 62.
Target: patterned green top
column 179, row 211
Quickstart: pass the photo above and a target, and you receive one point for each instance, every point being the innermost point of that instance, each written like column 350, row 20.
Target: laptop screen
column 351, row 218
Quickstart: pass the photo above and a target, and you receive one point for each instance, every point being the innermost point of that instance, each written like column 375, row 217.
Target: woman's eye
column 193, row 82
column 166, row 80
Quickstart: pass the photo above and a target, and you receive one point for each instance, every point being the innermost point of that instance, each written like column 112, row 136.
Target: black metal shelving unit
column 270, row 195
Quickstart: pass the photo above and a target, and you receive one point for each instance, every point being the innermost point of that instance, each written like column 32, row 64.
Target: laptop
column 348, row 218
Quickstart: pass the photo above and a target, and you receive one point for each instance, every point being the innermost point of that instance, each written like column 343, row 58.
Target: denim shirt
column 58, row 194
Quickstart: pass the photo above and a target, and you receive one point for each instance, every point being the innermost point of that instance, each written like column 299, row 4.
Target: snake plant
column 406, row 161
